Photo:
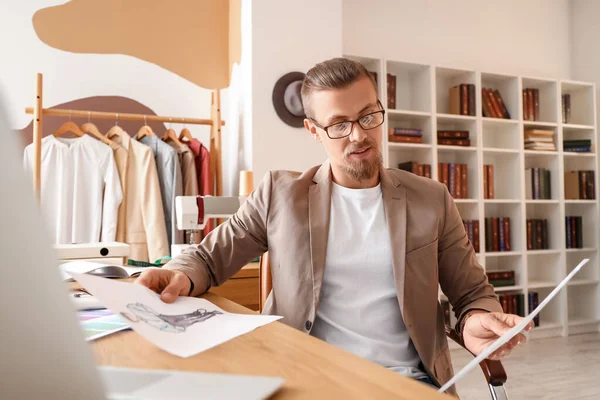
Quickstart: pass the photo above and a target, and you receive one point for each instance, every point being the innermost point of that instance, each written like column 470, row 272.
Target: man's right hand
column 168, row 283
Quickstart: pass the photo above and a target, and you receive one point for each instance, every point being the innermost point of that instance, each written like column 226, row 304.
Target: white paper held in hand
column 512, row 332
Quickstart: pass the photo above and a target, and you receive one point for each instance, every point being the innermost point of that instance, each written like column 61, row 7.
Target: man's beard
column 361, row 170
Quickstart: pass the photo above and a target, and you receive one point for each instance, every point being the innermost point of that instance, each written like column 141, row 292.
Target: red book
column 507, row 233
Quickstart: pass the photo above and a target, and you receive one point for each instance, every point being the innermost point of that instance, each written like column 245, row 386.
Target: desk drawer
column 243, row 291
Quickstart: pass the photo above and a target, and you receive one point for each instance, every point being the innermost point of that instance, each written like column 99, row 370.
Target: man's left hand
column 482, row 329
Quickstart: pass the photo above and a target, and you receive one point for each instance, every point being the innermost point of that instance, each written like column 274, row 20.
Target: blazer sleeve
column 231, row 245
column 152, row 211
column 461, row 277
column 113, row 196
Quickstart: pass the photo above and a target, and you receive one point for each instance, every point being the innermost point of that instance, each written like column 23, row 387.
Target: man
column 357, row 251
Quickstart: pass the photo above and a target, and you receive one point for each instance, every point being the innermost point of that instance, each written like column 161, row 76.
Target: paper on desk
column 513, row 331
column 183, row 328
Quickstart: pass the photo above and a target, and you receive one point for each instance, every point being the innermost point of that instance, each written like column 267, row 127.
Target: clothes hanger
column 185, row 134
column 116, row 130
column 171, row 135
column 145, row 130
column 69, row 127
column 92, row 129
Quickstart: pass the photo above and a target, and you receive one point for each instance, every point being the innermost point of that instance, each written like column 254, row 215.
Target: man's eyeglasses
column 342, row 129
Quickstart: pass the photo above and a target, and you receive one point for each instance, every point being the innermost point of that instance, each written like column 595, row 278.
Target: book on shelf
column 461, row 99
column 531, row 104
column 391, row 91
column 538, row 184
column 574, row 231
column 533, row 303
column 577, row 146
column 416, row 132
column 455, row 177
column 513, row 303
column 405, row 139
column 537, row 234
column 416, row 168
column 497, row 234
column 488, row 181
column 580, row 185
column 539, row 139
column 454, row 142
column 566, row 108
column 501, row 278
column 492, row 104
column 472, row 229
column 450, row 134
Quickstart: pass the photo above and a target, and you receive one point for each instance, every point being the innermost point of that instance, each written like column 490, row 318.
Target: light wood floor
column 556, row 368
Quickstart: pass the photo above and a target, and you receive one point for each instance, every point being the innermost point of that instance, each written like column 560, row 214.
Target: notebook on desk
column 99, row 269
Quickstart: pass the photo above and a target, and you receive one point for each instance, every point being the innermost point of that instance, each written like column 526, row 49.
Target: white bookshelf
column 422, row 102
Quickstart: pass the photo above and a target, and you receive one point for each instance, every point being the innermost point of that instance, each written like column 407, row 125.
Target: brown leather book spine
column 491, row 182
column 531, row 105
column 420, row 169
column 445, row 174
column 472, row 100
column 454, row 142
column 486, row 192
column 476, row 235
column 458, row 186
column 464, row 99
column 507, row 234
column 591, row 185
column 495, row 105
column 496, row 234
column 536, row 104
column 582, row 185
column 505, row 113
column 405, row 139
column 525, row 106
column 529, row 235
column 427, row 171
column 454, row 100
column 453, row 134
column 391, row 91
column 484, row 104
column 538, row 228
column 439, row 172
column 465, row 181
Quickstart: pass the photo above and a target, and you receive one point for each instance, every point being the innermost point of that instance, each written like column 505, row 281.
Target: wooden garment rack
column 215, row 122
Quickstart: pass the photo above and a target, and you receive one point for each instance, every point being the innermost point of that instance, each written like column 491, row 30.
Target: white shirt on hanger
column 81, row 190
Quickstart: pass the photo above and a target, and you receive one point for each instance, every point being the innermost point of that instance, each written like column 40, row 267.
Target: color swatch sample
column 99, row 323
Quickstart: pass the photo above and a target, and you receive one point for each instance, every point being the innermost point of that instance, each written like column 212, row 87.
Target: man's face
column 358, row 155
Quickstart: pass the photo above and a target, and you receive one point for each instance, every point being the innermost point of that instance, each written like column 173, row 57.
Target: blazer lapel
column 319, row 204
column 394, row 202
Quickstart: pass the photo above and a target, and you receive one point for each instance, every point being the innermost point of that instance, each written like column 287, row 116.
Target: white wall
column 287, row 36
column 585, row 47
column 521, row 37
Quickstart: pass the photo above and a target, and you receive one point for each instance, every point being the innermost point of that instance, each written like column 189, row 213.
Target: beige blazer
column 141, row 222
column 288, row 215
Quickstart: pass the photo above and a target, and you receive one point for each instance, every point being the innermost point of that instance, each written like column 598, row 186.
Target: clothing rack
column 215, row 122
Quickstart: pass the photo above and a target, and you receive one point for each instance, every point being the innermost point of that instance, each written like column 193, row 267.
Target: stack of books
column 493, row 106
column 501, row 278
column 455, row 177
column 488, row 181
column 513, row 303
column 537, row 184
column 577, row 145
column 472, row 229
column 405, row 135
column 574, row 230
column 537, row 234
column 531, row 104
column 416, row 168
column 461, row 99
column 539, row 139
column 453, row 138
column 497, row 234
column 580, row 185
column 566, row 108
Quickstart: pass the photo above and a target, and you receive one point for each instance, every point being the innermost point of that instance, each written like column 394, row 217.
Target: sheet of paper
column 100, row 323
column 183, row 328
column 512, row 332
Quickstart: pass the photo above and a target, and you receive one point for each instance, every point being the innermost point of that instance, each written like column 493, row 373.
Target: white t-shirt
column 359, row 309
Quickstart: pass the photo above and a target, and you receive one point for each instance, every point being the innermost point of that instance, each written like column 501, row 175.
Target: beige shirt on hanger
column 188, row 168
column 141, row 222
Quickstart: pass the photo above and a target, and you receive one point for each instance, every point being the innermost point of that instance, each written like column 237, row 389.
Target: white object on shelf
column 103, row 252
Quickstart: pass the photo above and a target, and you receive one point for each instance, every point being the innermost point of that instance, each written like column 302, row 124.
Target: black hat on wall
column 287, row 99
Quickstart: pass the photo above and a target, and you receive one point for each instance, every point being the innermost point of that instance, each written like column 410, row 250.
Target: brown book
column 505, row 113
column 458, row 180
column 495, row 105
column 504, row 301
column 582, row 185
column 391, row 90
column 525, row 106
column 439, row 172
column 574, row 231
column 529, row 235
column 405, row 139
column 453, row 134
column 454, row 142
column 485, row 107
column 427, row 171
column 591, row 185
column 419, row 170
column 571, row 185
column 496, row 234
column 464, row 99
column 465, row 181
column 538, row 237
column 531, row 105
column 454, row 100
column 536, row 104
column 472, row 100
column 486, row 192
column 490, row 180
column 507, row 233
column 476, row 235
column 514, row 309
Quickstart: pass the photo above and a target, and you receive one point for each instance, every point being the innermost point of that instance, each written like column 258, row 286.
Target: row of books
column 531, row 104
column 472, row 229
column 566, row 108
column 453, row 138
column 538, row 184
column 488, row 181
column 461, row 99
column 577, row 145
column 493, row 106
column 497, row 234
column 455, row 177
column 513, row 303
column 580, row 185
column 416, row 168
column 537, row 234
column 574, row 231
column 405, row 135
column 501, row 278
column 539, row 139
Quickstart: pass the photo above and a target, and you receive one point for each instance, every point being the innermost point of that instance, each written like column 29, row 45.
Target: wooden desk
column 312, row 369
column 243, row 288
